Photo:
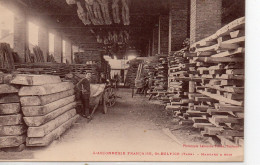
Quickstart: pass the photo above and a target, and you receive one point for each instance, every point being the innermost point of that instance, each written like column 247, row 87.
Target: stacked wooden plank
column 6, row 57
column 132, row 72
column 177, row 84
column 12, row 129
column 58, row 69
column 149, row 71
column 220, row 62
column 82, row 69
column 48, row 106
column 161, row 78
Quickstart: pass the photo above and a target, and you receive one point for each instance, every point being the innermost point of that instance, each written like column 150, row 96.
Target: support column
column 58, row 48
column 44, row 41
column 164, row 34
column 205, row 18
column 155, row 41
column 68, row 49
column 179, row 17
column 20, row 34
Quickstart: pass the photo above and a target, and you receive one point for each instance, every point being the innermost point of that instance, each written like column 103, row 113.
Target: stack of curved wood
column 12, row 129
column 48, row 106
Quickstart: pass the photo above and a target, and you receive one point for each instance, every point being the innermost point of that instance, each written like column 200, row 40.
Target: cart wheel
column 110, row 97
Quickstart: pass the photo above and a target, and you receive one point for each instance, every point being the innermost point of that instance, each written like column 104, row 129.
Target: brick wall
column 58, row 48
column 164, row 34
column 205, row 18
column 20, row 34
column 43, row 41
column 179, row 23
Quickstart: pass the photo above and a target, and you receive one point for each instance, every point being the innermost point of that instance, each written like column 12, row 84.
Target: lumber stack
column 6, row 57
column 82, row 69
column 220, row 94
column 48, row 105
column 178, row 85
column 161, row 78
column 58, row 69
column 12, row 129
column 149, row 71
column 132, row 72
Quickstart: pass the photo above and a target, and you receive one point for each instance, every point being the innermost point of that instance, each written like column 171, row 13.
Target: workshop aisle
column 127, row 127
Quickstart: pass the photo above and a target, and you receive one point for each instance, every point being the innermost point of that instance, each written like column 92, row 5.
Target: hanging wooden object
column 125, row 12
column 71, row 2
column 115, row 11
column 83, row 16
column 105, row 11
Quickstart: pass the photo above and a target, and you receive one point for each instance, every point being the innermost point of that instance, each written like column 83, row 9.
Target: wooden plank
column 11, row 141
column 220, row 59
column 40, row 120
column 46, row 140
column 237, row 52
column 201, row 125
column 235, row 71
column 45, row 89
column 232, row 133
column 11, row 119
column 229, row 108
column 45, row 129
column 45, row 99
column 225, row 119
column 5, row 78
column 230, row 76
column 9, row 98
column 234, row 89
column 11, row 108
column 199, row 120
column 45, row 109
column 222, row 99
column 234, row 96
column 237, row 33
column 12, row 130
column 223, row 46
column 232, row 82
column 26, row 79
column 7, row 88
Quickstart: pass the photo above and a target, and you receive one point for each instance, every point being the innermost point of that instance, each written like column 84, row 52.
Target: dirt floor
column 135, row 126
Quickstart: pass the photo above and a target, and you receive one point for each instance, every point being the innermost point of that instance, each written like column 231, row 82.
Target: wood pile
column 93, row 58
column 58, row 69
column 82, row 69
column 36, row 56
column 48, row 105
column 6, row 57
column 12, row 128
column 149, row 71
column 161, row 78
column 132, row 72
column 218, row 86
column 178, row 86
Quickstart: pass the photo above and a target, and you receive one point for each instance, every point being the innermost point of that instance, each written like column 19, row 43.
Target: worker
column 103, row 79
column 84, row 86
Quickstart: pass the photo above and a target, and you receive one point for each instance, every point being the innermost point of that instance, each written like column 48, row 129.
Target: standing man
column 84, row 86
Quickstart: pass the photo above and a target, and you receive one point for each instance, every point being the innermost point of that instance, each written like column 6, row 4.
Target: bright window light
column 131, row 57
column 51, row 43
column 33, row 33
column 6, row 25
column 64, row 50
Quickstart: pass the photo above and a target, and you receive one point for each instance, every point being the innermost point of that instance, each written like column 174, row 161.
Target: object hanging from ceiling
column 97, row 12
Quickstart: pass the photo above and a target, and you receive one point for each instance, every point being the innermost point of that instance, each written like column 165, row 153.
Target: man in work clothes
column 84, row 86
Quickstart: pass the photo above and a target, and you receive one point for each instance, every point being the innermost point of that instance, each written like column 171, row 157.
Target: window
column 51, row 44
column 33, row 34
column 6, row 26
column 64, row 51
